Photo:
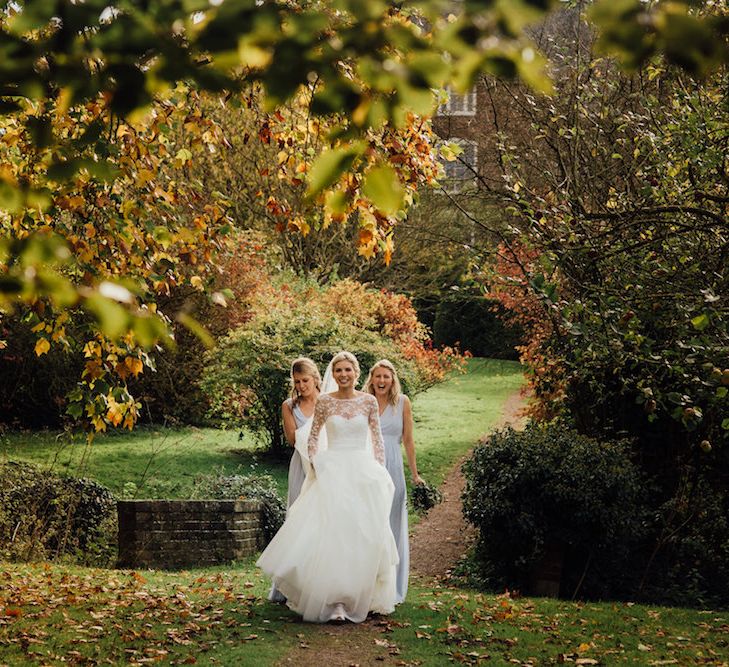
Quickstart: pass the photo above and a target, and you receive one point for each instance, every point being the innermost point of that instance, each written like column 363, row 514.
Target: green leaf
column 32, row 16
column 383, row 188
column 150, row 330
column 11, row 197
column 39, row 198
column 101, row 169
column 330, row 165
column 336, row 202
column 57, row 287
column 63, row 171
column 196, row 328
column 113, row 319
column 517, row 13
column 700, row 322
column 75, row 410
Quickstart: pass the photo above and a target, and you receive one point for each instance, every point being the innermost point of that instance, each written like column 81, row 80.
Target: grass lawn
column 55, row 614
column 162, row 463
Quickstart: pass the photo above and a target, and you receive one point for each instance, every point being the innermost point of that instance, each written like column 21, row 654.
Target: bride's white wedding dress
column 336, row 546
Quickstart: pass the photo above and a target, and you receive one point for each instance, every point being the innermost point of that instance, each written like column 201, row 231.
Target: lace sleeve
column 320, row 416
column 378, row 444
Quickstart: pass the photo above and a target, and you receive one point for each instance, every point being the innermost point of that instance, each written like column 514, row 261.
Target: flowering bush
column 393, row 316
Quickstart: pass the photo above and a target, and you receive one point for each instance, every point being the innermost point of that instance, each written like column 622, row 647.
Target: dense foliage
column 477, row 324
column 552, row 489
column 100, row 118
column 627, row 266
column 46, row 516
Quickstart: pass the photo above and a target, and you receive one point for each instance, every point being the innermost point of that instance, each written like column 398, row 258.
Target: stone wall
column 175, row 534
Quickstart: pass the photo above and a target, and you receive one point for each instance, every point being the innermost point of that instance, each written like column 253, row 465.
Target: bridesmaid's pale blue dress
column 391, row 423
column 296, row 480
column 296, row 470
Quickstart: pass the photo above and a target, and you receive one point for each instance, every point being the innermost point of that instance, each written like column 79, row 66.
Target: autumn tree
column 268, row 157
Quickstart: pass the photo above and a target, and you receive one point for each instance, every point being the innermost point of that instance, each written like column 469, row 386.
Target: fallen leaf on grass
column 385, row 643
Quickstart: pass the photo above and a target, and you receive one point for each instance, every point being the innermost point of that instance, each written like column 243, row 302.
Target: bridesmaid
column 296, row 411
column 396, row 421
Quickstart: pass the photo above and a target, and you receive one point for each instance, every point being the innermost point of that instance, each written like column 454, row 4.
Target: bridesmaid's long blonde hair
column 303, row 366
column 395, row 388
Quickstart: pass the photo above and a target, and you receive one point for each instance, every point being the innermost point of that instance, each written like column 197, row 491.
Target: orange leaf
column 134, row 365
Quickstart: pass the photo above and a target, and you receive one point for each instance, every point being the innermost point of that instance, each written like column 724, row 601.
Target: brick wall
column 174, row 534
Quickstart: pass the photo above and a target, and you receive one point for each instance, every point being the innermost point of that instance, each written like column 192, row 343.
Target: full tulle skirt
column 296, row 481
column 336, row 545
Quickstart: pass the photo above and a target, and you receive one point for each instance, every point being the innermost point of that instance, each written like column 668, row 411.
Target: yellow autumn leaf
column 389, row 246
column 134, row 365
column 99, row 423
column 114, row 414
column 144, row 176
column 42, row 346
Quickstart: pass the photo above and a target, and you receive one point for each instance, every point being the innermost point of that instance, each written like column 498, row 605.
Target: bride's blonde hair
column 303, row 366
column 395, row 389
column 346, row 356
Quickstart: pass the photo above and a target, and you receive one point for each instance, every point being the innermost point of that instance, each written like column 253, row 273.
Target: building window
column 459, row 105
column 461, row 172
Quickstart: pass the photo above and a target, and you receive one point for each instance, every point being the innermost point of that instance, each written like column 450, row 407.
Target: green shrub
column 221, row 486
column 687, row 561
column 44, row 516
column 476, row 324
column 550, row 488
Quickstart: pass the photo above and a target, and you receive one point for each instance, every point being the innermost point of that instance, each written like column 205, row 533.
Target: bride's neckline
column 353, row 398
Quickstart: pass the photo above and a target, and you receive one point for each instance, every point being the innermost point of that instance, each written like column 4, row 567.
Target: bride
column 335, row 557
